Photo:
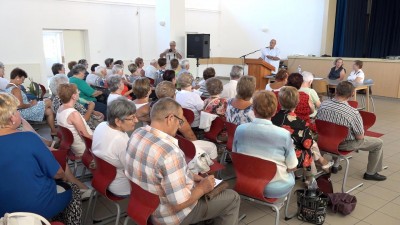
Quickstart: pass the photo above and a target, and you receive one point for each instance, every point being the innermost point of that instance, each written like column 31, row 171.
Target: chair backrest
column 320, row 86
column 353, row 104
column 151, row 80
column 187, row 147
column 230, row 129
column 141, row 204
column 61, row 156
column 189, row 115
column 368, row 118
column 103, row 175
column 330, row 135
column 252, row 174
column 43, row 89
column 66, row 138
column 87, row 156
column 217, row 126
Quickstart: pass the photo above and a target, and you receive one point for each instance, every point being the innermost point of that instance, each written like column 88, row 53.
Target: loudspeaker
column 198, row 45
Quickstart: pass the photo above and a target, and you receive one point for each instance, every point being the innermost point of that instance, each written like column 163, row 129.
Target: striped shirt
column 155, row 162
column 343, row 114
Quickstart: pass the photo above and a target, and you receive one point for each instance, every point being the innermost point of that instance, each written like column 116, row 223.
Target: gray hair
column 307, row 76
column 78, row 68
column 120, row 108
column 153, row 62
column 1, row 65
column 117, row 68
column 236, row 72
column 56, row 80
column 184, row 63
column 114, row 82
column 98, row 69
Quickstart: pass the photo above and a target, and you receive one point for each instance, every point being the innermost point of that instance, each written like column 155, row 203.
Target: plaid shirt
column 155, row 162
column 343, row 114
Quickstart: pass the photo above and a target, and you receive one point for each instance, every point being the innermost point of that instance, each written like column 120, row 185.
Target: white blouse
column 354, row 75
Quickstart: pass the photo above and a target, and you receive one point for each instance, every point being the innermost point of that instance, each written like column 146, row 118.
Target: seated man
column 167, row 89
column 110, row 140
column 155, row 162
column 340, row 112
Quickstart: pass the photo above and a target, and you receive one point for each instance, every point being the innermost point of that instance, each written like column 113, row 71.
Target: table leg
column 367, row 98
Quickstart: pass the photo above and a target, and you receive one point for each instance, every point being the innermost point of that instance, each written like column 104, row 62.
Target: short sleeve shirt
column 86, row 91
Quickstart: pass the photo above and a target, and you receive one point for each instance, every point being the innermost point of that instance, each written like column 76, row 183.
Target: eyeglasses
column 181, row 121
column 131, row 119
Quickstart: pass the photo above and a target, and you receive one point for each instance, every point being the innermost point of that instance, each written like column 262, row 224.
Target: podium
column 258, row 68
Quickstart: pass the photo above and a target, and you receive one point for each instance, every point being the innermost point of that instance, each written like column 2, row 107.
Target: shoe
column 335, row 170
column 376, row 177
column 328, row 166
column 85, row 194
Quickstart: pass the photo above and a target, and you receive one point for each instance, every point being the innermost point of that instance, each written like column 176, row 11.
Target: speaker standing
column 171, row 53
column 271, row 55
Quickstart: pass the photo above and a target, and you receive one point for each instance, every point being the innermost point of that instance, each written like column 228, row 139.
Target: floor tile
column 392, row 210
column 381, row 218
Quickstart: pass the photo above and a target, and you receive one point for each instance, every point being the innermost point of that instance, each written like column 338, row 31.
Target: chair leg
column 92, row 195
column 277, row 213
column 373, row 104
column 222, row 162
column 345, row 177
column 126, row 220
column 287, row 216
column 118, row 213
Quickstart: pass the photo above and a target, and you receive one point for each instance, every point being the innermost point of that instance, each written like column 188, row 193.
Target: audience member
column 134, row 73
column 162, row 63
column 337, row 72
column 119, row 62
column 229, row 90
column 280, row 80
column 92, row 77
column 58, row 68
column 259, row 138
column 171, row 53
column 110, row 141
column 207, row 73
column 214, row 104
column 142, row 90
column 115, row 86
column 96, row 78
column 30, row 110
column 308, row 79
column 188, row 99
column 185, row 66
column 109, row 62
column 70, row 66
column 92, row 117
column 306, row 149
column 140, row 64
column 162, row 169
column 86, row 64
column 357, row 75
column 169, row 75
column 239, row 109
column 86, row 93
column 69, row 117
column 119, row 70
column 338, row 111
column 151, row 70
column 3, row 81
column 175, row 65
column 31, row 183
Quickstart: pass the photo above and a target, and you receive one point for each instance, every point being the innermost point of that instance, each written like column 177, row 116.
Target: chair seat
column 113, row 197
column 345, row 152
column 216, row 166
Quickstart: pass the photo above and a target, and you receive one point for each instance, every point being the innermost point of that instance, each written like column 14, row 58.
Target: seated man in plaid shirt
column 155, row 162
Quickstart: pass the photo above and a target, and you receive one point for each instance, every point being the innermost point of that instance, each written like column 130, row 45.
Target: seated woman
column 119, row 71
column 31, row 184
column 188, row 99
column 239, row 109
column 87, row 94
column 306, row 149
column 134, row 73
column 262, row 139
column 110, row 141
column 115, row 86
column 142, row 90
column 30, row 110
column 308, row 79
column 69, row 117
column 280, row 81
column 357, row 75
column 208, row 73
column 92, row 117
column 169, row 75
column 337, row 72
column 214, row 104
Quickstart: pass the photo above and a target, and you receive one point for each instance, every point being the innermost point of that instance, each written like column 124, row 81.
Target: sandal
column 328, row 166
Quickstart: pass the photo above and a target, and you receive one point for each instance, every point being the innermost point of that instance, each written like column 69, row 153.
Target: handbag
column 201, row 162
column 325, row 184
column 311, row 208
column 342, row 202
column 23, row 218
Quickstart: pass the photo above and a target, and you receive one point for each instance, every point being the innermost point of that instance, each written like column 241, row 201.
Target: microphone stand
column 244, row 57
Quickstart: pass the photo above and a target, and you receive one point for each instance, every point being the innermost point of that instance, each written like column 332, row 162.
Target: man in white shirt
column 171, row 53
column 3, row 81
column 271, row 55
column 229, row 90
column 151, row 70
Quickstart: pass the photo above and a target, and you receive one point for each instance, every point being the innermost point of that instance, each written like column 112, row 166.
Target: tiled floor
column 378, row 202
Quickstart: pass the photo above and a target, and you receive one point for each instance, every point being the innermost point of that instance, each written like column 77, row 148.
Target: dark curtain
column 350, row 28
column 384, row 29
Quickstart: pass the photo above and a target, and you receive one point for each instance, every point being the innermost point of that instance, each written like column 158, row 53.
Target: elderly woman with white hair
column 185, row 65
column 119, row 70
column 96, row 78
column 115, row 86
column 92, row 117
column 306, row 88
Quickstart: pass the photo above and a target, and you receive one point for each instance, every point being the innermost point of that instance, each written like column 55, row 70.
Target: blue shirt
column 27, row 174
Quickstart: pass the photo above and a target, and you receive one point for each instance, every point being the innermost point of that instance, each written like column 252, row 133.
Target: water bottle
column 312, row 187
column 299, row 69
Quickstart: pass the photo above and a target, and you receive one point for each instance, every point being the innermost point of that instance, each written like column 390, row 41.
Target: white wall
column 126, row 29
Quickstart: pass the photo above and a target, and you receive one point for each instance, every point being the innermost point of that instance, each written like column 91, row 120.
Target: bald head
column 163, row 108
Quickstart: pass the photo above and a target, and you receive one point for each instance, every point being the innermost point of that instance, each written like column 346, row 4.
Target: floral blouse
column 300, row 133
column 239, row 116
column 216, row 106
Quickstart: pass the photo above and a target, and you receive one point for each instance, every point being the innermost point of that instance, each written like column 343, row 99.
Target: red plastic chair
column 353, row 104
column 87, row 157
column 190, row 151
column 57, row 223
column 43, row 89
column 61, row 156
column 189, row 115
column 66, row 139
column 103, row 175
column 141, row 205
column 252, row 176
column 368, row 118
column 217, row 126
column 330, row 135
column 151, row 81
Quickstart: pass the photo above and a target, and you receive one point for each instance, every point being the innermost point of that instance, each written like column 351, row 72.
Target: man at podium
column 271, row 55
